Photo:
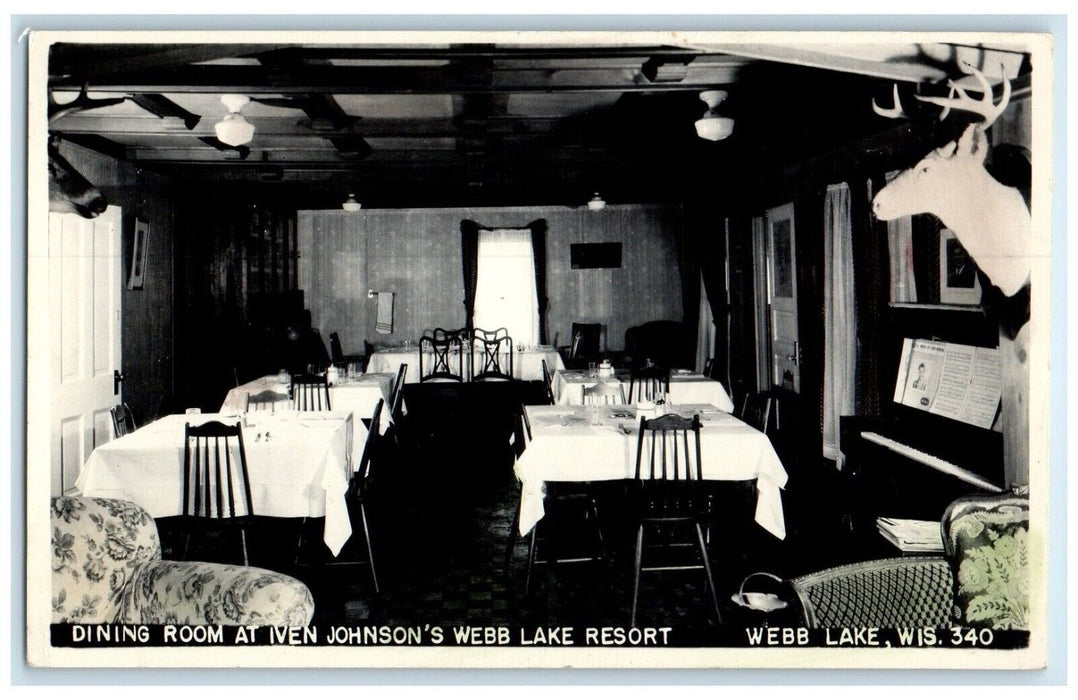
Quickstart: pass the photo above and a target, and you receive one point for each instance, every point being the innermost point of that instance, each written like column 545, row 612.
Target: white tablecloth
column 566, row 447
column 685, row 388
column 359, row 395
column 302, row 470
column 527, row 364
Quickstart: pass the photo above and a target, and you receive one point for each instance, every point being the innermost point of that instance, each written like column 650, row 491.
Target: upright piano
column 912, row 463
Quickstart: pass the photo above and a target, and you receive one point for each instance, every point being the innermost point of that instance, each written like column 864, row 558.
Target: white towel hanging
column 384, row 324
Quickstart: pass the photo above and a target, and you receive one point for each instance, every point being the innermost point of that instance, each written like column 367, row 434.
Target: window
column 505, row 293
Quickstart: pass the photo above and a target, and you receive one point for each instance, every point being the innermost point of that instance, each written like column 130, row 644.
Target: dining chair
column 441, row 360
column 604, row 393
column 216, row 488
column 358, row 496
column 649, row 384
column 265, row 400
column 495, row 358
column 339, row 358
column 310, row 392
column 123, row 420
column 584, row 344
column 756, row 410
column 518, row 442
column 570, row 508
column 548, row 383
column 668, row 493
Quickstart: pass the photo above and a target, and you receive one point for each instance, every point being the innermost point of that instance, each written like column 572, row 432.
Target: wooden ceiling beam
column 346, row 80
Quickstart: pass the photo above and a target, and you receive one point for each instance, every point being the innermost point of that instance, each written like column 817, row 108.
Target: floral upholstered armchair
column 107, row 567
column 981, row 581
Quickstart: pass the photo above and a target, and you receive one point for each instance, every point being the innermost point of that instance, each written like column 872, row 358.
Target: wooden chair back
column 123, row 420
column 397, row 397
column 668, row 449
column 604, row 393
column 265, row 400
column 756, row 410
column 649, row 384
column 548, row 383
column 441, row 360
column 492, row 358
column 363, row 468
column 215, row 481
column 310, row 392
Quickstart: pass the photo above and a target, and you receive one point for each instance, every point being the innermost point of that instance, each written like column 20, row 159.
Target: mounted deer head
column 69, row 191
column 991, row 220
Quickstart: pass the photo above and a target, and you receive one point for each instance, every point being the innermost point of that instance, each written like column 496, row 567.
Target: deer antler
column 984, row 106
column 892, row 112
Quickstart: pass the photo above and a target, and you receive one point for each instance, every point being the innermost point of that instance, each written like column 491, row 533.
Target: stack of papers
column 914, row 536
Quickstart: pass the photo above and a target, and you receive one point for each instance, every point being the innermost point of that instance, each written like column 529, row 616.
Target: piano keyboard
column 931, row 461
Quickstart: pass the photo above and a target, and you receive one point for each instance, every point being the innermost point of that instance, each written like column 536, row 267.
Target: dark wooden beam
column 348, row 80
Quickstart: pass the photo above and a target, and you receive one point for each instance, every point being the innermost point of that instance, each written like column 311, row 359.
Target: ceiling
column 501, row 124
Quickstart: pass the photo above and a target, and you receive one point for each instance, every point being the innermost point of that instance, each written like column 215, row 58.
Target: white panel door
column 85, row 270
column 782, row 298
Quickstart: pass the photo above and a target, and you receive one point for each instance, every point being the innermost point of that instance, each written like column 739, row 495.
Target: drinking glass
column 592, row 369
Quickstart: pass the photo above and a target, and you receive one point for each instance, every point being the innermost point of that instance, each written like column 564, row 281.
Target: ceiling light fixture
column 596, row 203
column 711, row 126
column 350, row 204
column 234, row 130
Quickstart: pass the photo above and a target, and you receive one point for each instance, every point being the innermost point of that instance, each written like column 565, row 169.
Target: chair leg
column 707, row 572
column 367, row 537
column 243, row 542
column 531, row 561
column 636, row 577
column 299, row 541
column 594, row 510
column 186, row 545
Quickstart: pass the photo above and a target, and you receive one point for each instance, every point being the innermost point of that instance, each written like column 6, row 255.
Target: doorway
column 85, row 269
column 781, row 243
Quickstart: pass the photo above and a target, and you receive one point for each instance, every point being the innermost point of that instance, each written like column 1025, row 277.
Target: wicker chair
column 981, row 581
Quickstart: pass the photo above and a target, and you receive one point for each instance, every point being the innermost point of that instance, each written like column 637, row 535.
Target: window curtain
column 505, row 291
column 705, row 332
column 840, row 327
column 469, row 253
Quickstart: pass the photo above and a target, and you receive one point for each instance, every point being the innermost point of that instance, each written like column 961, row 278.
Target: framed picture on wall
column 958, row 273
column 139, row 248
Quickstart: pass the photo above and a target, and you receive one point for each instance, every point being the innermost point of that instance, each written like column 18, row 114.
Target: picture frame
column 958, row 273
column 140, row 246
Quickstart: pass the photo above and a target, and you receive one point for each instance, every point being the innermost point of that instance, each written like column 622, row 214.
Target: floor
column 441, row 513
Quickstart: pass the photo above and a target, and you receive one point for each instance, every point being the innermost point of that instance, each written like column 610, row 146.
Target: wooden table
column 565, row 446
column 301, row 469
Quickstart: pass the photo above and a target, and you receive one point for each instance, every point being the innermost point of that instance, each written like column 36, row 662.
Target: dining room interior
column 466, row 304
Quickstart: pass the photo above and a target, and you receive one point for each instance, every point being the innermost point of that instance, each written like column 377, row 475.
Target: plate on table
column 573, row 419
column 683, row 371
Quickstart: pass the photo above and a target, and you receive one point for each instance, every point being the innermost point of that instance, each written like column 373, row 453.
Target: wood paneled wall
column 416, row 254
column 148, row 313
